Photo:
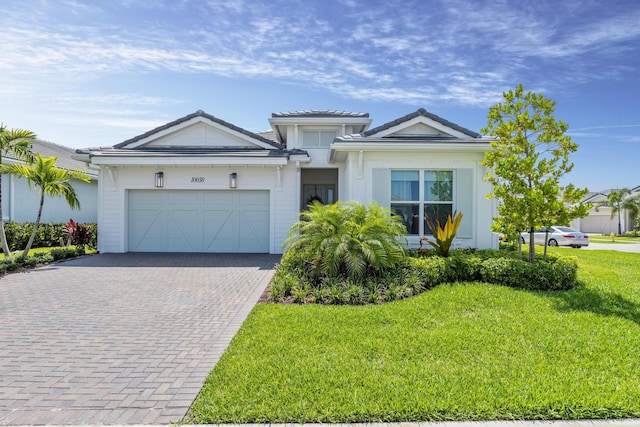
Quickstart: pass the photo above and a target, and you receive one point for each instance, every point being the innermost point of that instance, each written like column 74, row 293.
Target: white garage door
column 198, row 221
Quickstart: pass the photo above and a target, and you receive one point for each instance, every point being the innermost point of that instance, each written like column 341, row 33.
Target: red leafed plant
column 76, row 233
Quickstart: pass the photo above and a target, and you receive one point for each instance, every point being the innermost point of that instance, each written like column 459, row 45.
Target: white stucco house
column 20, row 203
column 200, row 184
column 599, row 220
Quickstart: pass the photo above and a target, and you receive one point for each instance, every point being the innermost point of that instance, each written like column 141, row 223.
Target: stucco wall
column 359, row 186
column 20, row 203
column 116, row 181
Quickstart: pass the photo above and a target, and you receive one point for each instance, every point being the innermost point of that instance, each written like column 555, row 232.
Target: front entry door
column 323, row 193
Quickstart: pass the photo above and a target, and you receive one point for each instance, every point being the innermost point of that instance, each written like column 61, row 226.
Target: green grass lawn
column 464, row 351
column 598, row 238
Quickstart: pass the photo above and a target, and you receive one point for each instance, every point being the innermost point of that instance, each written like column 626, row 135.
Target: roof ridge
column 198, row 113
column 424, row 113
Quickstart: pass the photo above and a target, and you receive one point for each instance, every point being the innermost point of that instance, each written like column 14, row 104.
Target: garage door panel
column 183, row 198
column 255, row 234
column 253, row 199
column 219, row 198
column 151, row 198
column 146, row 229
column 198, row 221
column 183, row 233
column 219, row 230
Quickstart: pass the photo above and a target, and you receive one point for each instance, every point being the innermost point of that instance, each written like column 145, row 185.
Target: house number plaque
column 198, row 179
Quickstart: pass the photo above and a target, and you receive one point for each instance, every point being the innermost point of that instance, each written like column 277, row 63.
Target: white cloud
column 460, row 52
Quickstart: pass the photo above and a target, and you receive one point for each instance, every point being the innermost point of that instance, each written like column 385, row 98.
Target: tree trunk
column 35, row 226
column 520, row 246
column 619, row 225
column 546, row 243
column 532, row 248
column 3, row 236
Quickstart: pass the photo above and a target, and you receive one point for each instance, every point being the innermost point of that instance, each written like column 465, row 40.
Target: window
column 418, row 193
column 318, row 138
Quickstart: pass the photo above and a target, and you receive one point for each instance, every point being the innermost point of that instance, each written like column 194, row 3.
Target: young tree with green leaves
column 15, row 142
column 50, row 180
column 619, row 200
column 529, row 156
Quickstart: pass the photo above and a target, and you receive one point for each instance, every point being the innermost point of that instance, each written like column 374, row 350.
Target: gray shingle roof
column 605, row 193
column 425, row 113
column 319, row 113
column 199, row 113
column 50, row 149
column 188, row 152
column 269, row 134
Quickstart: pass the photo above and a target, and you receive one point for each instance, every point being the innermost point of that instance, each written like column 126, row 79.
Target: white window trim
column 421, row 202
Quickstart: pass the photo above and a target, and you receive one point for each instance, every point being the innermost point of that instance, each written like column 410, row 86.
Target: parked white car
column 558, row 236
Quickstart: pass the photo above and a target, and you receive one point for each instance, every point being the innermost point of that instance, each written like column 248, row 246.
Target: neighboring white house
column 200, row 184
column 20, row 203
column 599, row 220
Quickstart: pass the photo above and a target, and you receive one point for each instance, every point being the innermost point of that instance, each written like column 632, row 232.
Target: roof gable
column 198, row 130
column 420, row 123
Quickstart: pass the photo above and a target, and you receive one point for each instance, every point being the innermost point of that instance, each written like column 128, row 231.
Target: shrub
column 414, row 275
column 58, row 253
column 77, row 234
column 282, row 284
column 554, row 275
column 444, row 235
column 48, row 235
column 347, row 238
column 8, row 265
column 11, row 265
column 43, row 257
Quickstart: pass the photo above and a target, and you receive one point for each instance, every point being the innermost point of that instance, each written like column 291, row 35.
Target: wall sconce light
column 233, row 180
column 159, row 179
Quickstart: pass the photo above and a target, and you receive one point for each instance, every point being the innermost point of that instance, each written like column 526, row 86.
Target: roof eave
column 187, row 160
column 431, row 147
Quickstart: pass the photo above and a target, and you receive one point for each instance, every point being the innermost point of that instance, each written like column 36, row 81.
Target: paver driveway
column 119, row 338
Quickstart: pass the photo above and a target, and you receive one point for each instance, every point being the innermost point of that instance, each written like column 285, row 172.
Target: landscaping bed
column 38, row 257
column 293, row 282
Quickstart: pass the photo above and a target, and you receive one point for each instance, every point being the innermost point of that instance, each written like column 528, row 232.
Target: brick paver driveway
column 119, row 338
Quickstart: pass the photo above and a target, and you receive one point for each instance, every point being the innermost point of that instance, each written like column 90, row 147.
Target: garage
column 229, row 221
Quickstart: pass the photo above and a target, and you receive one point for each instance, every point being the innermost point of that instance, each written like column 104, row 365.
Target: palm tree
column 347, row 238
column 50, row 180
column 15, row 142
column 615, row 200
column 632, row 205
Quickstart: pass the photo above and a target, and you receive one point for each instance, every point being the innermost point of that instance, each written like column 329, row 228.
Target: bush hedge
column 416, row 274
column 12, row 264
column 48, row 235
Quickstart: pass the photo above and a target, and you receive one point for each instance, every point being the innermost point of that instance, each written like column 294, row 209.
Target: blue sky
column 95, row 73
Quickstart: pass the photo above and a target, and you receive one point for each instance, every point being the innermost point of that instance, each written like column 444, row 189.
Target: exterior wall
column 358, row 185
column 20, row 203
column 116, row 181
column 601, row 222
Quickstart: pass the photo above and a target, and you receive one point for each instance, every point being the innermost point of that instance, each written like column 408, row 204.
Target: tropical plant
column 530, row 153
column 443, row 235
column 16, row 142
column 77, row 233
column 347, row 238
column 50, row 180
column 619, row 200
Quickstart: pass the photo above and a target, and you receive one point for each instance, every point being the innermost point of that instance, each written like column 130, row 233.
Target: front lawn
column 463, row 351
column 598, row 238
